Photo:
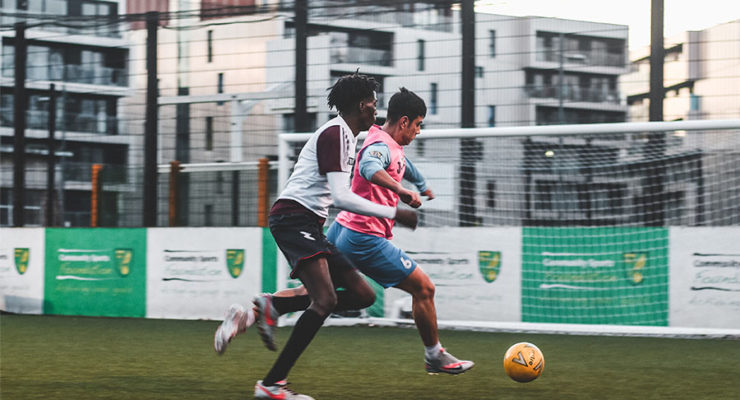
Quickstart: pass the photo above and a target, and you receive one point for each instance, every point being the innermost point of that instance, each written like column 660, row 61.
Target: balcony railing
column 581, row 57
column 573, row 93
column 78, row 171
column 97, row 75
column 75, row 122
column 109, row 31
column 426, row 17
column 359, row 55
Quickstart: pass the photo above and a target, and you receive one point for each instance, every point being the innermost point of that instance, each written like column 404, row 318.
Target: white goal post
column 622, row 228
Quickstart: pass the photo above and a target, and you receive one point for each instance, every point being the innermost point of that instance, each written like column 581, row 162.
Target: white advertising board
column 705, row 277
column 476, row 272
column 196, row 273
column 22, row 270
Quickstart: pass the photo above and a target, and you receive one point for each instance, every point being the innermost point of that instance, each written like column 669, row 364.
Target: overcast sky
column 680, row 15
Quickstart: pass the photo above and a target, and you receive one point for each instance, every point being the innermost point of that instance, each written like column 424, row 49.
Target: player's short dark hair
column 350, row 90
column 405, row 103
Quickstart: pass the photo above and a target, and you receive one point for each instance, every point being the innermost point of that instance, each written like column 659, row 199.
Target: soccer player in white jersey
column 320, row 178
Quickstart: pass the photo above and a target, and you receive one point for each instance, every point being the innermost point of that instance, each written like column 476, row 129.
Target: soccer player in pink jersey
column 365, row 239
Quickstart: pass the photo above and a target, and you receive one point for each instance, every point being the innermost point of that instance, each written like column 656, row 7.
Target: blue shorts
column 374, row 256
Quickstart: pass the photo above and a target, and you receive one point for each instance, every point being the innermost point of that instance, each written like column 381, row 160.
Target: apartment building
column 699, row 76
column 529, row 71
column 701, row 82
column 234, row 78
column 77, row 46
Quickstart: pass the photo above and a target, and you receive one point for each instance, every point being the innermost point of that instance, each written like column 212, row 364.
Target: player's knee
column 325, row 303
column 367, row 298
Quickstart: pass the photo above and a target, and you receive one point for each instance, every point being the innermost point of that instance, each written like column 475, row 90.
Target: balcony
column 75, row 122
column 55, row 8
column 359, row 55
column 79, row 171
column 590, row 58
column 72, row 73
column 573, row 93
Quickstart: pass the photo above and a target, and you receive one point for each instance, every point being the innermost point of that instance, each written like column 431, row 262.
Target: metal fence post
column 95, row 189
column 172, row 199
column 263, row 191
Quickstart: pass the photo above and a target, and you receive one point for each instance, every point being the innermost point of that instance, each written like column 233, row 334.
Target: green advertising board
column 95, row 272
column 595, row 275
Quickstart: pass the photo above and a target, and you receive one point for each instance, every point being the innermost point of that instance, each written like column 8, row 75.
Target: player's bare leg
column 421, row 289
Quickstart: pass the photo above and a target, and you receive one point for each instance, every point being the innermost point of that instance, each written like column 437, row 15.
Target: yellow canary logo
column 22, row 255
column 235, row 262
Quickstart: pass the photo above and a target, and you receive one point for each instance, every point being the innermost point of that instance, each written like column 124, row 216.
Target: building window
column 21, row 4
column 220, row 87
column 491, row 194
column 479, row 72
column 289, row 122
column 101, row 9
column 209, row 133
column 210, row 46
column 420, row 54
column 492, row 45
column 491, row 115
column 695, row 102
column 219, row 182
column 208, row 214
column 433, row 99
column 421, row 148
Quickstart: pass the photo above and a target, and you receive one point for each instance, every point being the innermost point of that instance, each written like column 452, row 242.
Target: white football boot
column 234, row 322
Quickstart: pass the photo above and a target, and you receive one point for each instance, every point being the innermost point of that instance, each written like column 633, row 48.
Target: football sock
column 345, row 301
column 303, row 332
column 432, row 352
column 285, row 305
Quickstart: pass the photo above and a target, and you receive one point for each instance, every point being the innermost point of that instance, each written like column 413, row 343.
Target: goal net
column 613, row 228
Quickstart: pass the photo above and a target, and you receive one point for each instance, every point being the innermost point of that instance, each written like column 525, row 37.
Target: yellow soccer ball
column 524, row 362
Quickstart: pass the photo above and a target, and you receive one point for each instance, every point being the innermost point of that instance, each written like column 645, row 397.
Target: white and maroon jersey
column 330, row 149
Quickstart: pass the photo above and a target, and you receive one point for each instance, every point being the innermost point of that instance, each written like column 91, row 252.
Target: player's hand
column 407, row 218
column 410, row 197
column 428, row 193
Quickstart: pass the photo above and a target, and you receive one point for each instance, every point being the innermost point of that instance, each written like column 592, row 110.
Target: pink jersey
column 377, row 194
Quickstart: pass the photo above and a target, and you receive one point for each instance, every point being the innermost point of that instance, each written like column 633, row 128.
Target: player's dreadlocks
column 350, row 90
column 405, row 103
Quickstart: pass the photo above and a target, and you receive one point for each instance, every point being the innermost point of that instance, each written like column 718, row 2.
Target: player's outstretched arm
column 382, row 178
column 413, row 175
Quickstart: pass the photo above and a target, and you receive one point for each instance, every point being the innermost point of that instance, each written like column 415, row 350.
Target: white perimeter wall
column 450, row 257
column 187, row 271
column 22, row 290
column 704, row 277
column 704, row 284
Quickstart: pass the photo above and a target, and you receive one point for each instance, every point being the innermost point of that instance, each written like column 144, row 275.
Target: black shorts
column 301, row 237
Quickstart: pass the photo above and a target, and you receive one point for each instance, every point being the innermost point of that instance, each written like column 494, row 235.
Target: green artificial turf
column 54, row 357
